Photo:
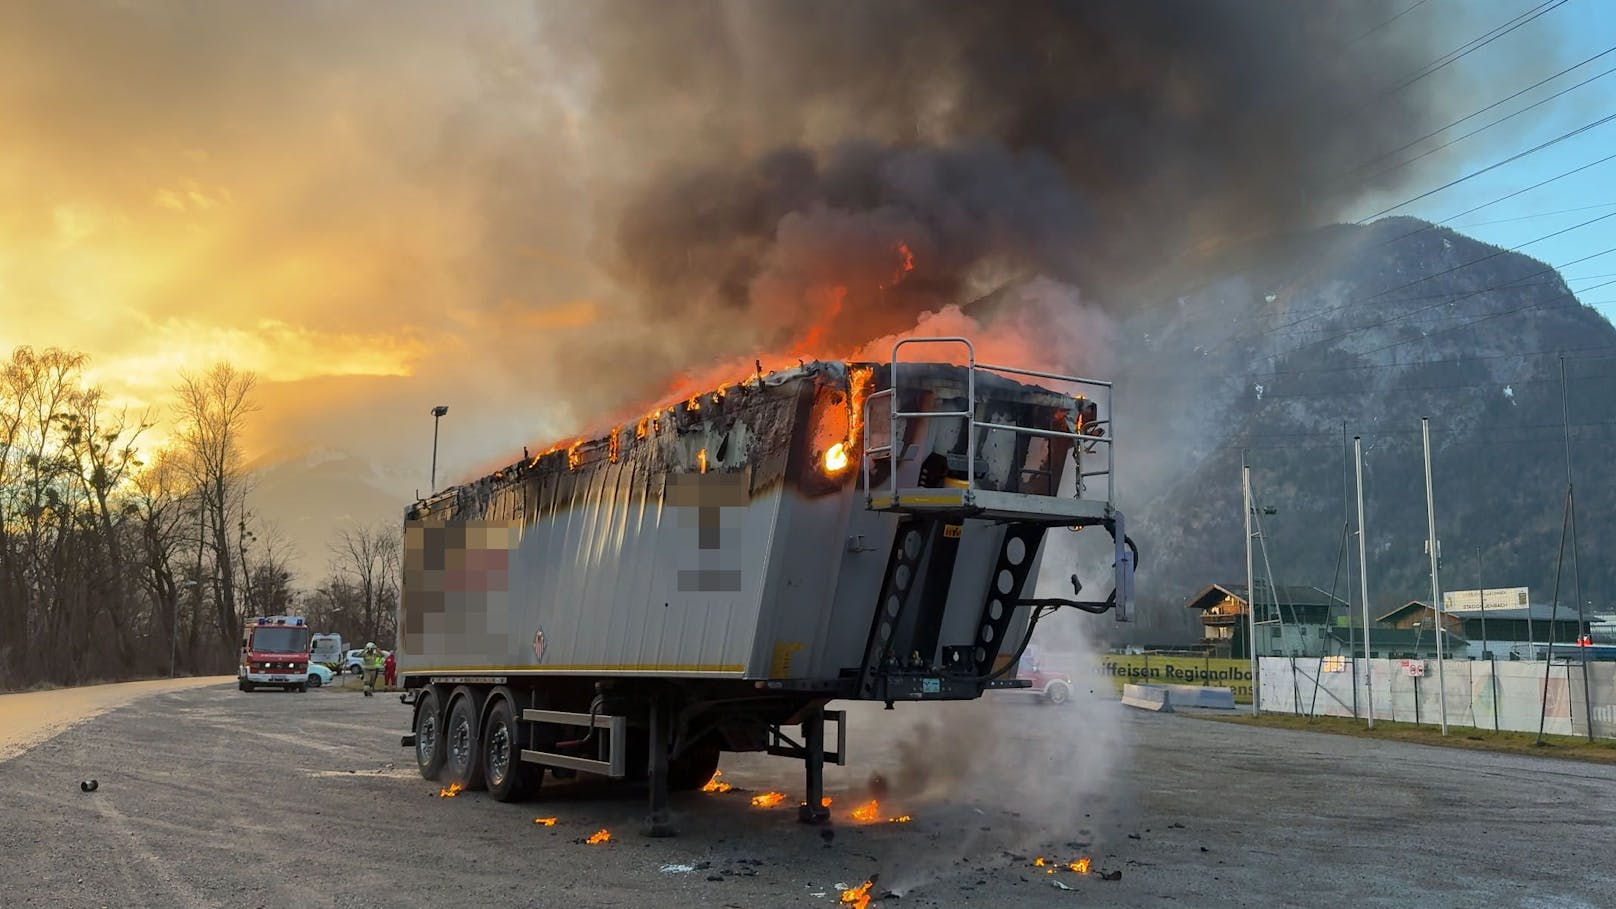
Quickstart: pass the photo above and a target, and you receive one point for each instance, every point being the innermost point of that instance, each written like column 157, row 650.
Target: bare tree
column 368, row 557
column 213, row 410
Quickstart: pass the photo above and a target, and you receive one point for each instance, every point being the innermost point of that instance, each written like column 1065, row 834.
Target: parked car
column 354, row 661
column 320, row 674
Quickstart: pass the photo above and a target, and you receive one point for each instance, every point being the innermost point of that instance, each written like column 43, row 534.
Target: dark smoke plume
column 786, row 155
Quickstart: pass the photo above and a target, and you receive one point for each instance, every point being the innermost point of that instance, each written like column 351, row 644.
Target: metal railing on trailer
column 1085, row 434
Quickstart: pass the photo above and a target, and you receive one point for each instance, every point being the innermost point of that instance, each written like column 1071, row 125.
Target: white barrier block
column 1146, row 697
column 1201, row 696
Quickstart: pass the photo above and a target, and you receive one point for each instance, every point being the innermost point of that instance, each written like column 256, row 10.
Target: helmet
column 371, row 645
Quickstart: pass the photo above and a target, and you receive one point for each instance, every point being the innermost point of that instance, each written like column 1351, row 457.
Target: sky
column 376, row 220
column 1559, row 39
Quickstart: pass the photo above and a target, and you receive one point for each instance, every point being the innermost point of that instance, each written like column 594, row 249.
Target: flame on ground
column 768, row 799
column 900, row 819
column 858, row 897
column 869, row 811
column 545, row 821
column 1081, row 866
column 449, row 793
column 600, row 836
column 715, row 784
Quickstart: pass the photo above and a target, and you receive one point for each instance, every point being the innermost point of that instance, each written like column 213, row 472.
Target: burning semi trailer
column 710, row 577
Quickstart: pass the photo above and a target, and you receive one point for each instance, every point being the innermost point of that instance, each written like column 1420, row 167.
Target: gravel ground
column 211, row 797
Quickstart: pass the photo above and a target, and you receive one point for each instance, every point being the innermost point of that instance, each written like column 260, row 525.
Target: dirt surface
column 212, row 797
column 30, row 717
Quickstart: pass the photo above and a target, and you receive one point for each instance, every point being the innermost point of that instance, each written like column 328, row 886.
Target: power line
column 1480, row 129
column 1492, row 167
column 1493, row 255
column 1473, row 114
column 1411, row 8
column 1541, row 214
column 1475, row 44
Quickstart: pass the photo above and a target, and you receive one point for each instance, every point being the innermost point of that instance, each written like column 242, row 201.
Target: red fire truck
column 275, row 652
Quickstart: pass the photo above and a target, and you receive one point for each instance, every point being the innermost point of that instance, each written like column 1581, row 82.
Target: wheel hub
column 499, row 754
column 426, row 739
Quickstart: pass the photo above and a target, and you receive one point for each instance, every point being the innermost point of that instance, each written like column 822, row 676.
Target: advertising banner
column 1146, row 668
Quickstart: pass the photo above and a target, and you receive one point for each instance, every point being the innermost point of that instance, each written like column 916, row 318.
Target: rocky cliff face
column 1272, row 351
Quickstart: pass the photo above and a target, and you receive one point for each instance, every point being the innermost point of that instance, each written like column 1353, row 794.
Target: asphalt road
column 211, row 797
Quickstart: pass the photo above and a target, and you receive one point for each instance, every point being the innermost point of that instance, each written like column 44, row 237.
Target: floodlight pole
column 437, row 414
column 1436, row 584
column 1363, row 582
column 1251, row 592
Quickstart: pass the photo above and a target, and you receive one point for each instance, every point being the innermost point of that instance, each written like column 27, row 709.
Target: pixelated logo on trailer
column 452, row 570
column 702, row 500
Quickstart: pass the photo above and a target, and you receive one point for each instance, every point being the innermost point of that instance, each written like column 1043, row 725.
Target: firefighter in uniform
column 371, row 661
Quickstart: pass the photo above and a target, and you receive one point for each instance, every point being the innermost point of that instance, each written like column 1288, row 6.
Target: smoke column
column 769, row 167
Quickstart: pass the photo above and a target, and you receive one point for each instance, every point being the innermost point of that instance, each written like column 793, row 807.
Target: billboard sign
column 1495, row 598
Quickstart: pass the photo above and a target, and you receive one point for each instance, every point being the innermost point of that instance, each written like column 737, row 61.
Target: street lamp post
column 437, row 414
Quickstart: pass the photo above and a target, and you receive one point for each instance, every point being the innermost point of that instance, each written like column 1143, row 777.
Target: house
column 1292, row 620
column 1513, row 632
column 1392, row 642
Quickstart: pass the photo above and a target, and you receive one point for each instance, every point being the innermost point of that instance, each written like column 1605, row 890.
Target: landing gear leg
column 813, row 810
column 660, row 823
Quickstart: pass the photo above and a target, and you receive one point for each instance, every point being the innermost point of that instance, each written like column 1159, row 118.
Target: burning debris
column 545, row 821
column 858, row 897
column 1077, row 866
column 868, row 812
column 768, row 799
column 453, row 790
column 599, row 836
column 715, row 784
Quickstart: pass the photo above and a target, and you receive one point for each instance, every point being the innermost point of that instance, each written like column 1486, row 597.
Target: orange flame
column 768, row 799
column 694, row 403
column 545, row 821
column 906, row 264
column 575, row 455
column 869, row 811
column 614, row 444
column 858, row 897
column 453, row 790
column 701, row 460
column 1038, row 862
column 600, row 836
column 717, row 785
column 824, row 802
column 836, row 458
column 1081, row 866
column 640, row 427
column 900, row 819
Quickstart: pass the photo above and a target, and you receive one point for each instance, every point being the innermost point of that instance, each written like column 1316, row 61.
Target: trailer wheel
column 1057, row 693
column 463, row 764
column 244, row 685
column 692, row 770
column 429, row 751
column 509, row 778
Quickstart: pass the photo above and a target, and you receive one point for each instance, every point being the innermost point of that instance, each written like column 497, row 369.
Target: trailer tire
column 509, row 778
column 430, row 752
column 462, row 745
column 691, row 771
column 244, row 685
column 1057, row 693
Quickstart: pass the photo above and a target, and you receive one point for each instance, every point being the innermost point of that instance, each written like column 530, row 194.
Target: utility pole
column 1363, row 583
column 1436, row 584
column 1481, row 591
column 1251, row 590
column 1576, row 576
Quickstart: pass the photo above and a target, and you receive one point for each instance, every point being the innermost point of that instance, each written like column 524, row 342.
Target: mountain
column 308, row 497
column 1279, row 346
